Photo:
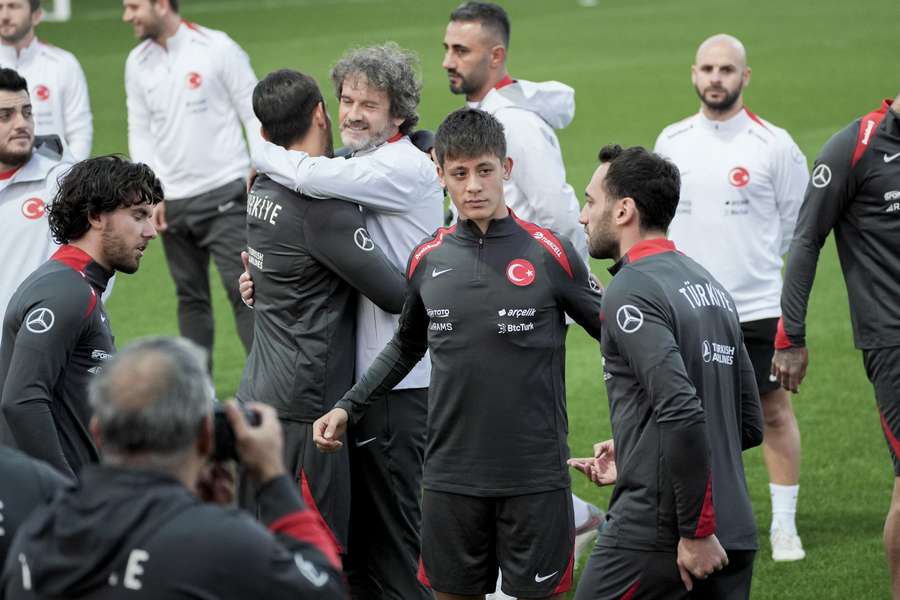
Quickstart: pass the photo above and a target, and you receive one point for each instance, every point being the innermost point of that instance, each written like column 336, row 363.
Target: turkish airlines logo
column 362, row 240
column 42, row 93
column 629, row 318
column 520, row 272
column 707, row 352
column 194, row 80
column 739, row 177
column 821, row 176
column 33, row 208
column 40, row 320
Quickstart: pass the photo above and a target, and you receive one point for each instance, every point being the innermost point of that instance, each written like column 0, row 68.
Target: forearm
column 798, row 281
column 686, row 451
column 34, row 430
column 389, row 368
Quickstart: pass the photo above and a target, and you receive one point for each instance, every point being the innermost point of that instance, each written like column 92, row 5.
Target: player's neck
column 91, row 246
column 490, row 84
column 21, row 44
column 171, row 23
column 630, row 239
column 716, row 115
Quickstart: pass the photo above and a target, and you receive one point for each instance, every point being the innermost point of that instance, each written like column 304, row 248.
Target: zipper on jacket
column 479, row 261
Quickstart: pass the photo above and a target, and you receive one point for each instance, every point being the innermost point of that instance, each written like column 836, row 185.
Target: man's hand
column 245, row 282
column 789, row 367
column 328, row 428
column 700, row 558
column 260, row 448
column 159, row 217
column 602, row 468
column 216, row 484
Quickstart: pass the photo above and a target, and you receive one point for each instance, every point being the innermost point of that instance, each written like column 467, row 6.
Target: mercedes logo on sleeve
column 629, row 318
column 40, row 320
column 363, row 241
column 821, row 176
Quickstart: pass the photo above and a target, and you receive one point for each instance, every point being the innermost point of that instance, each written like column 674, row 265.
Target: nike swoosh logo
column 226, row 206
column 888, row 159
column 539, row 579
column 364, row 442
column 436, row 273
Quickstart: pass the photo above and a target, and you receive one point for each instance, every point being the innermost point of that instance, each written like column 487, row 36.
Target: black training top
column 308, row 258
column 491, row 310
column 56, row 336
column 855, row 190
column 683, row 404
column 127, row 533
column 27, row 485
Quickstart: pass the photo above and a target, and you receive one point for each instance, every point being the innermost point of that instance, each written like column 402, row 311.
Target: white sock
column 784, row 507
column 582, row 513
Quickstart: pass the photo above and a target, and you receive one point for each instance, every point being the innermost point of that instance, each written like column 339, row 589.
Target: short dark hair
column 11, row 81
column 284, row 103
column 99, row 185
column 650, row 179
column 35, row 4
column 172, row 3
column 469, row 133
column 490, row 15
column 389, row 68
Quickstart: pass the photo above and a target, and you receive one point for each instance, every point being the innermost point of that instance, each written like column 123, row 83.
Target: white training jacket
column 186, row 104
column 59, row 93
column 538, row 191
column 398, row 188
column 26, row 243
column 742, row 183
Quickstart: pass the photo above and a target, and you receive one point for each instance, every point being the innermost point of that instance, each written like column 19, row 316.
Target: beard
column 723, row 105
column 366, row 143
column 602, row 243
column 18, row 34
column 118, row 254
column 472, row 83
column 15, row 159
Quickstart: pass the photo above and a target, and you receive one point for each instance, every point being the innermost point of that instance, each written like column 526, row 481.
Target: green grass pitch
column 816, row 66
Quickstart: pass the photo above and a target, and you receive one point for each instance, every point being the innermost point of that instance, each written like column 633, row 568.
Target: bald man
column 743, row 181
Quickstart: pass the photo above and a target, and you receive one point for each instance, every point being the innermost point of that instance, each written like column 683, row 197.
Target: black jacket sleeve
column 39, row 359
column 654, row 355
column 579, row 293
column 398, row 358
column 829, row 192
column 751, row 409
column 338, row 238
column 303, row 557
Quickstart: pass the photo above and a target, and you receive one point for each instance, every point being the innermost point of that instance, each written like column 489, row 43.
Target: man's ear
column 36, row 17
column 498, row 56
column 263, row 134
column 97, row 221
column 626, row 211
column 507, row 168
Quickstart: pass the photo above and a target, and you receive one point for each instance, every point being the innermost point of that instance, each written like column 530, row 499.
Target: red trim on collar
column 545, row 238
column 647, row 248
column 7, row 174
column 504, row 82
column 395, row 138
column 754, row 118
column 73, row 257
column 190, row 25
column 867, row 127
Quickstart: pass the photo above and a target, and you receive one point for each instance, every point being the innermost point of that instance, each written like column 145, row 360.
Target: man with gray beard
column 397, row 187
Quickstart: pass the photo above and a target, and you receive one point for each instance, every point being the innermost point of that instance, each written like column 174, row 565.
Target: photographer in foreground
column 144, row 521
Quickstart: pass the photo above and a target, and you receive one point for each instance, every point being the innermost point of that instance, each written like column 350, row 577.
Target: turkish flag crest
column 520, row 272
column 42, row 93
column 33, row 208
column 194, row 80
column 739, row 177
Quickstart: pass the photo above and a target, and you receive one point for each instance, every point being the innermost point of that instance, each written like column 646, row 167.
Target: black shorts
column 883, row 370
column 759, row 338
column 465, row 538
column 619, row 573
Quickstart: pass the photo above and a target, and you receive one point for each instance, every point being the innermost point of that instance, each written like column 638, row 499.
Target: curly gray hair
column 386, row 67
